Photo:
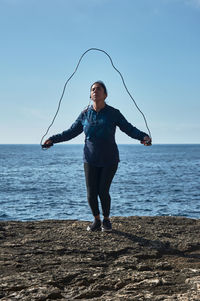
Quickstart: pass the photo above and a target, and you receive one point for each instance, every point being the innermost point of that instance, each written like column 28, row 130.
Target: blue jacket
column 99, row 127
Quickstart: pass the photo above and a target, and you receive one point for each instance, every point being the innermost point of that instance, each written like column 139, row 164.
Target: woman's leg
column 92, row 178
column 105, row 180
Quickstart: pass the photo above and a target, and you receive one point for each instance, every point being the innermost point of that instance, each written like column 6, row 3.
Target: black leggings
column 98, row 181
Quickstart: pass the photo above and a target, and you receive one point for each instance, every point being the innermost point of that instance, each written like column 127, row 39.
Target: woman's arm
column 131, row 130
column 75, row 130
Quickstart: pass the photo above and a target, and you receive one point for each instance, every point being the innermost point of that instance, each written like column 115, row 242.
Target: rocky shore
column 144, row 258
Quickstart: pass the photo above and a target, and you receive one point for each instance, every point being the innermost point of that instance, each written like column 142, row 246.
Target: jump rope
column 65, row 85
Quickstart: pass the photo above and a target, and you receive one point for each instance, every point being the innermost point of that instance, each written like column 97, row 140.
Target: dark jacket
column 99, row 127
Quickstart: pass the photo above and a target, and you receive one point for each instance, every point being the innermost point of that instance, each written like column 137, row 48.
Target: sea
column 161, row 180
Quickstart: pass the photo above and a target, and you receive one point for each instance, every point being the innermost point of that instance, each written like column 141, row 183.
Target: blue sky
column 155, row 45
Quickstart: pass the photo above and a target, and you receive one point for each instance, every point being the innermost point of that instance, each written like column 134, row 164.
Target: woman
column 101, row 154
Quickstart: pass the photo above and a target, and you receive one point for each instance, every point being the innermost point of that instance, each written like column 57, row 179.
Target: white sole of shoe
column 96, row 230
column 106, row 230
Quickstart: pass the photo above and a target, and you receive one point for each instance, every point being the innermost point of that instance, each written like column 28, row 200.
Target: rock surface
column 144, row 258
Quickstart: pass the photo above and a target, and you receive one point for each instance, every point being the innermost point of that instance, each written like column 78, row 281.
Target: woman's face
column 97, row 93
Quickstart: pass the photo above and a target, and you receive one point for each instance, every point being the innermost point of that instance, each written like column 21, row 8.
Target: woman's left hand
column 146, row 141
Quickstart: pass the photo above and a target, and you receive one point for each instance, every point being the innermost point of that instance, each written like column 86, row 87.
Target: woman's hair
column 102, row 85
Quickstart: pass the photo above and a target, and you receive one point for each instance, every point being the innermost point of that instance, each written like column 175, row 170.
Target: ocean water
column 154, row 181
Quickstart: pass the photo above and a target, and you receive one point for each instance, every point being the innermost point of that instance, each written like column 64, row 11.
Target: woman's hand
column 47, row 144
column 146, row 141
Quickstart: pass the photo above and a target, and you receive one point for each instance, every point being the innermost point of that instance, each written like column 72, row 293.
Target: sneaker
column 107, row 226
column 95, row 226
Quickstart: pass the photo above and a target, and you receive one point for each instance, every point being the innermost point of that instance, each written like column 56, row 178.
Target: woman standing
column 101, row 155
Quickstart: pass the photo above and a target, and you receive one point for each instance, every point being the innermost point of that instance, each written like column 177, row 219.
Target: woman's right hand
column 47, row 144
